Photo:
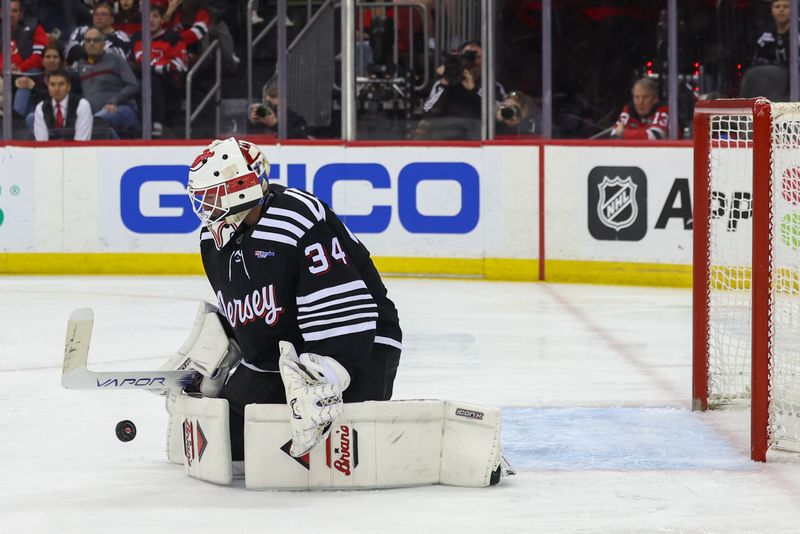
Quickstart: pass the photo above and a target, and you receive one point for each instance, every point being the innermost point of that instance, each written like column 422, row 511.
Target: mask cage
column 211, row 204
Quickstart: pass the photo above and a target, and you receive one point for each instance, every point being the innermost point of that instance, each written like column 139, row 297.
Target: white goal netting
column 730, row 242
column 730, row 249
column 784, row 318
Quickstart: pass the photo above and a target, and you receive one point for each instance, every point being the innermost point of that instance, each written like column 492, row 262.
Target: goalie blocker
column 375, row 444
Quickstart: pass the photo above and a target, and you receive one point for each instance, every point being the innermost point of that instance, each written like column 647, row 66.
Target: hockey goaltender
column 292, row 368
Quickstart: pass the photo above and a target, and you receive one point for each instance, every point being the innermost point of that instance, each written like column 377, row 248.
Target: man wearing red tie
column 61, row 116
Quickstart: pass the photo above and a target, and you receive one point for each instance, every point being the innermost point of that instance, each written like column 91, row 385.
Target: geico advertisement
column 619, row 204
column 16, row 200
column 415, row 201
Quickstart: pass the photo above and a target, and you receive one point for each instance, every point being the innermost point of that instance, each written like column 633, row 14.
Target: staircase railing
column 252, row 44
column 215, row 92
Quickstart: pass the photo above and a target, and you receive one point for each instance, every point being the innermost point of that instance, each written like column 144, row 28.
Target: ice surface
column 594, row 383
column 614, row 438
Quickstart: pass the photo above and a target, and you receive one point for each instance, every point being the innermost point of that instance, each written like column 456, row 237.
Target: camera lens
column 261, row 111
column 508, row 113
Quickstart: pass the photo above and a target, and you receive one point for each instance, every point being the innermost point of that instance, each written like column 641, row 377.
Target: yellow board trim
column 618, row 273
column 105, row 263
column 187, row 264
column 486, row 268
column 563, row 271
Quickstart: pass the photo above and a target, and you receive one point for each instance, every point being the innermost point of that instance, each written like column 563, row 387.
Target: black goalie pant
column 246, row 386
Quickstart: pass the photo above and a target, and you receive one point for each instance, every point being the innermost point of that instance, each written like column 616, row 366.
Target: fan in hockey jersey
column 645, row 117
column 169, row 60
column 285, row 268
column 115, row 41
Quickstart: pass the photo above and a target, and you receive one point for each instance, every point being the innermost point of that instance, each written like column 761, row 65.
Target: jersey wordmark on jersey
column 300, row 275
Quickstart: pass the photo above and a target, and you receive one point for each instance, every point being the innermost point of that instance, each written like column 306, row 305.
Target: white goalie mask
column 226, row 181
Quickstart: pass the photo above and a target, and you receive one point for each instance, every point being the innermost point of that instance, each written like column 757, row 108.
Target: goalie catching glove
column 208, row 350
column 314, row 386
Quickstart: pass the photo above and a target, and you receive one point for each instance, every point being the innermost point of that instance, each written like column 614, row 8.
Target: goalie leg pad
column 470, row 444
column 206, row 441
column 376, row 445
column 174, row 428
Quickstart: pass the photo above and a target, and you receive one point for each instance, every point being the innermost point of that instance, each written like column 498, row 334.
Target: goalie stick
column 75, row 375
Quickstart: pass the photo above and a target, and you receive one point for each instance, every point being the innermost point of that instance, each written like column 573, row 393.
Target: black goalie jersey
column 300, row 275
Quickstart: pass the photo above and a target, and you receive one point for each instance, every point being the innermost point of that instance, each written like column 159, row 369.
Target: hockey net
column 746, row 265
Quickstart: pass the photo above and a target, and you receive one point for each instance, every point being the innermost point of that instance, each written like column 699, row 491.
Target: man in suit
column 62, row 116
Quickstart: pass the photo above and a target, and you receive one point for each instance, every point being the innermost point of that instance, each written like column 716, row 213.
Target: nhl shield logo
column 617, row 207
column 617, row 203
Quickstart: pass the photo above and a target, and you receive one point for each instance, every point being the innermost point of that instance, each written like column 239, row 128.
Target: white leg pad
column 470, row 444
column 174, row 429
column 206, row 441
column 372, row 445
column 377, row 445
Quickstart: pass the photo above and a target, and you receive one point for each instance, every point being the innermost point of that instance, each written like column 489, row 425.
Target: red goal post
column 746, row 296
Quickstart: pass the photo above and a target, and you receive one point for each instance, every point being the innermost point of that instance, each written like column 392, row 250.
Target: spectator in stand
column 28, row 40
column 128, row 16
column 645, row 117
column 258, row 7
column 772, row 48
column 62, row 115
column 33, row 89
column 192, row 20
column 264, row 117
column 379, row 24
column 108, row 84
column 59, row 18
column 453, row 108
column 518, row 116
column 169, row 62
column 116, row 41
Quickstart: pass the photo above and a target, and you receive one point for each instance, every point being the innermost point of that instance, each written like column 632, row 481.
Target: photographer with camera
column 518, row 116
column 264, row 117
column 453, row 108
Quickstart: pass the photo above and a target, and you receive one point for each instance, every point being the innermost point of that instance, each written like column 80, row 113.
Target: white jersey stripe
column 339, row 331
column 327, row 292
column 306, row 316
column 270, row 236
column 304, row 309
column 339, row 319
column 388, row 341
column 291, row 214
column 283, row 225
column 309, row 196
column 312, row 204
column 351, row 234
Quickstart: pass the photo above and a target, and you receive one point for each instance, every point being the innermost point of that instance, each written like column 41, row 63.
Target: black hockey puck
column 126, row 430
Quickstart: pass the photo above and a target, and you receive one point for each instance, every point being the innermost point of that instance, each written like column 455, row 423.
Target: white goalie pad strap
column 376, row 445
column 206, row 441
